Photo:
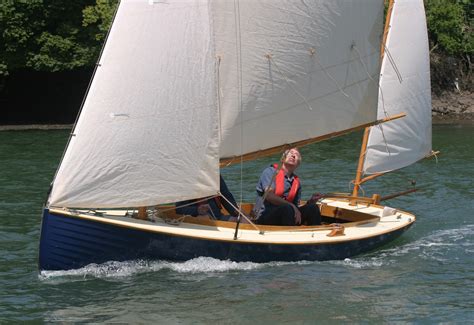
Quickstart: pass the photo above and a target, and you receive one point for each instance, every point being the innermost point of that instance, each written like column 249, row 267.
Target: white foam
column 437, row 246
column 200, row 265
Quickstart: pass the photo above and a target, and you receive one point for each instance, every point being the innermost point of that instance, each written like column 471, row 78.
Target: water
column 425, row 276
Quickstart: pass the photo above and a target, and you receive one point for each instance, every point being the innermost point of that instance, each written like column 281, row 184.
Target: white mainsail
column 404, row 88
column 182, row 84
column 296, row 70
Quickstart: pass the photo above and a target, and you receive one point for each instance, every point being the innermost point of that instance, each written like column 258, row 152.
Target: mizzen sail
column 404, row 87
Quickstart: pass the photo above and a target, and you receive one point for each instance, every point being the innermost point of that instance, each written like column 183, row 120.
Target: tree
column 52, row 35
column 450, row 27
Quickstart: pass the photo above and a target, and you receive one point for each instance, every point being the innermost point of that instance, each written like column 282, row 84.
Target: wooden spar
column 387, row 26
column 388, row 197
column 368, row 178
column 360, row 167
column 224, row 162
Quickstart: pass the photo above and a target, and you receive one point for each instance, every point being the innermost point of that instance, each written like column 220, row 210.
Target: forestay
column 404, row 87
column 184, row 83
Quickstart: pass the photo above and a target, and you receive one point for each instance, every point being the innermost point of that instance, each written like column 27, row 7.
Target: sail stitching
column 400, row 79
column 381, row 94
column 270, row 58
column 312, row 51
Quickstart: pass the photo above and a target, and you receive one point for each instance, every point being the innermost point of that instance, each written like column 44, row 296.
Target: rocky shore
column 453, row 108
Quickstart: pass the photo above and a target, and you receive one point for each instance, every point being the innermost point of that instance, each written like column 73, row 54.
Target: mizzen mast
column 360, row 166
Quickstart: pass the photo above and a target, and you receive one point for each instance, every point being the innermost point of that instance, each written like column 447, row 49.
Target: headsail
column 183, row 83
column 148, row 131
column 404, row 87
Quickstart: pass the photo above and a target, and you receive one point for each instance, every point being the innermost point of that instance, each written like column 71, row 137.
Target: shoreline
column 464, row 119
column 25, row 127
column 448, row 108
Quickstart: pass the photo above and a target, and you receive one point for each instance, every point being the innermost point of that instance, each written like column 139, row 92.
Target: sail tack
column 182, row 84
column 404, row 87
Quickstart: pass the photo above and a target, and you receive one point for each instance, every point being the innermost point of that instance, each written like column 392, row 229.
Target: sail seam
column 270, row 58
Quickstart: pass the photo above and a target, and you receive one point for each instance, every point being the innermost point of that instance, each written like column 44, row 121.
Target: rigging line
column 362, row 62
column 399, row 76
column 241, row 111
column 239, row 69
column 393, row 64
column 190, row 203
column 270, row 58
column 353, row 184
column 218, row 85
column 362, row 189
column 328, row 74
column 240, row 212
column 381, row 95
column 435, row 154
column 97, row 65
column 371, row 78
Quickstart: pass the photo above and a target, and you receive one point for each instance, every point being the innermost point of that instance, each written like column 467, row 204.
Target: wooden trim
column 144, row 226
column 360, row 165
column 224, row 162
column 141, row 214
column 386, row 28
column 391, row 196
column 368, row 178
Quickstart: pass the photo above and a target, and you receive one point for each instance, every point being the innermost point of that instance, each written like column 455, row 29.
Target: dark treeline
column 48, row 49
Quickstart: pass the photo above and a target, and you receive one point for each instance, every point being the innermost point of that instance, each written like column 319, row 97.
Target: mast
column 360, row 167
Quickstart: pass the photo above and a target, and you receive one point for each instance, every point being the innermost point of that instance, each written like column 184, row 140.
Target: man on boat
column 279, row 194
column 211, row 207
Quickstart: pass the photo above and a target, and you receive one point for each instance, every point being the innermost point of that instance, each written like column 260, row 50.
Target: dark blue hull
column 71, row 242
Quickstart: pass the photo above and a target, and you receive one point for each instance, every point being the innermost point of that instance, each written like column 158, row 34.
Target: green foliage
column 56, row 35
column 52, row 35
column 450, row 25
column 18, row 26
column 99, row 17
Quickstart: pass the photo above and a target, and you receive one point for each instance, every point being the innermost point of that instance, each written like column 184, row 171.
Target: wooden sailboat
column 185, row 87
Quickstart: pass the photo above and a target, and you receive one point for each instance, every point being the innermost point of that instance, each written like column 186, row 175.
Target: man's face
column 293, row 157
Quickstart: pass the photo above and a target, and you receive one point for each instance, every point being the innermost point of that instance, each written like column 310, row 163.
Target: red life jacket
column 280, row 185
